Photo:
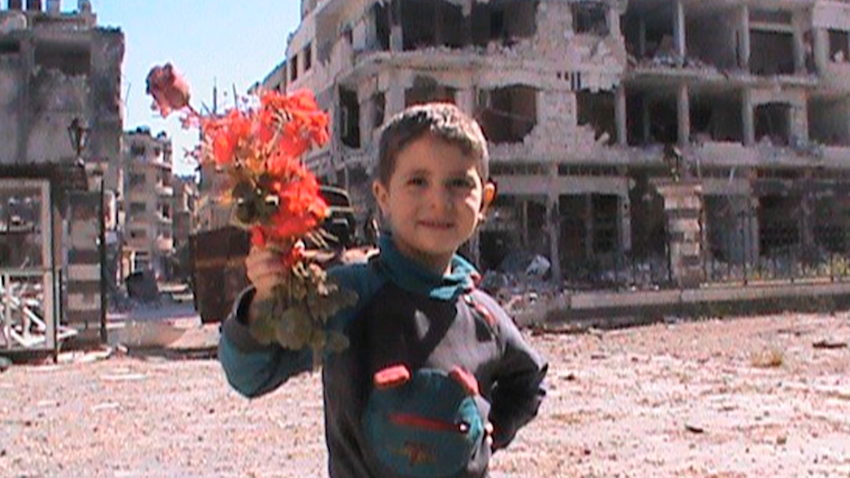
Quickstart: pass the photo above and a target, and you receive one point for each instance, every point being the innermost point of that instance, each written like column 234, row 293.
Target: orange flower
column 169, row 90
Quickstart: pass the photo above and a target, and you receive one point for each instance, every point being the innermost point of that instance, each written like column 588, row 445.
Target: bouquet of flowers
column 260, row 145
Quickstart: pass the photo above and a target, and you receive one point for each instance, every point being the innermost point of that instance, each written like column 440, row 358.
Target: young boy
column 436, row 375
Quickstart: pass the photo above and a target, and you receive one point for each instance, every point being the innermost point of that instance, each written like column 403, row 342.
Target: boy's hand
column 265, row 269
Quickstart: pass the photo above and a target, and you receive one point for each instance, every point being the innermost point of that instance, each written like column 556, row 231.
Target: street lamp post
column 78, row 132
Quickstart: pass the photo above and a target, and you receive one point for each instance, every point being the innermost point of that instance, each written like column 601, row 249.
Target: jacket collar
column 412, row 276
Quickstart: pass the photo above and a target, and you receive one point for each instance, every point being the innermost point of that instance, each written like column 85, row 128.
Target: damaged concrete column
column 683, row 108
column 614, row 22
column 553, row 225
column 554, row 214
column 625, row 222
column 744, row 38
column 524, row 221
column 747, row 117
column 395, row 95
column 799, row 23
column 396, row 35
column 807, row 223
column 367, row 112
column 820, row 44
column 620, row 116
column 679, row 31
column 465, row 100
column 682, row 208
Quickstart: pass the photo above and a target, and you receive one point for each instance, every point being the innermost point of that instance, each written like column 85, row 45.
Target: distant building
column 148, row 204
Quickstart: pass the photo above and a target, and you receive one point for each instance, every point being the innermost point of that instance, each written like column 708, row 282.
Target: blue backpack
column 424, row 425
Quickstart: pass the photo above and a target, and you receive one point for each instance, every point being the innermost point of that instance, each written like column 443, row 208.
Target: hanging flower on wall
column 260, row 146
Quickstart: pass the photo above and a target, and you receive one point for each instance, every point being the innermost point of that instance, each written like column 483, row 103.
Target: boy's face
column 434, row 200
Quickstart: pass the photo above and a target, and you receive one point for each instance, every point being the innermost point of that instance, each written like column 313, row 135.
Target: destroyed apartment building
column 60, row 137
column 689, row 137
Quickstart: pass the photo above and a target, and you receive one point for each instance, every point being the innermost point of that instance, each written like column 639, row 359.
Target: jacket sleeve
column 518, row 384
column 254, row 369
column 251, row 368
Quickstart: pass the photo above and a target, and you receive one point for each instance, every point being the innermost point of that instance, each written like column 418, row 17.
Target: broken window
column 349, row 121
column 590, row 18
column 779, row 229
column 839, row 46
column 418, row 22
column 21, row 230
column 773, row 123
column 10, row 48
column 829, row 121
column 137, row 179
column 506, row 22
column 716, row 117
column 138, row 208
column 714, row 38
column 507, row 114
column 649, row 31
column 651, row 118
column 604, row 209
column 648, row 220
column 70, row 60
column 428, row 23
column 597, row 111
column 729, row 228
column 830, row 229
column 308, row 57
column 293, row 68
column 771, row 52
column 379, row 105
column 426, row 90
column 380, row 15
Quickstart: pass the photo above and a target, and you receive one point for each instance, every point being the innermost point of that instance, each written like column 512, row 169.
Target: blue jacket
column 405, row 315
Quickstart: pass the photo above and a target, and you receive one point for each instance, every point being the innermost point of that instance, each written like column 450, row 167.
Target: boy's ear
column 488, row 196
column 381, row 196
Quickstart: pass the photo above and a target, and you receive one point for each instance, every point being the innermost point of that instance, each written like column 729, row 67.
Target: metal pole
column 102, row 254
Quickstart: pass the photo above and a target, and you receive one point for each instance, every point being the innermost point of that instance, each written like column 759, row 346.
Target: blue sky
column 224, row 42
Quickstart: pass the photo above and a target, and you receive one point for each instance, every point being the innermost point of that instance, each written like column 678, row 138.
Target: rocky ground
column 750, row 397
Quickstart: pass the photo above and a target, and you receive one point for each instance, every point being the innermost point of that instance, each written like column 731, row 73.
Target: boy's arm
column 251, row 368
column 518, row 384
column 254, row 369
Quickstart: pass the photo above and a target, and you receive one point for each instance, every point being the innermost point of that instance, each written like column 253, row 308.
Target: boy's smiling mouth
column 435, row 224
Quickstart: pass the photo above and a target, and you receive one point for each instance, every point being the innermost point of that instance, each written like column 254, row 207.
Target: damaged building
column 60, row 139
column 632, row 141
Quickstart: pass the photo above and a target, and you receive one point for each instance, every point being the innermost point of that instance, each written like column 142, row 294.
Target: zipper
column 425, row 423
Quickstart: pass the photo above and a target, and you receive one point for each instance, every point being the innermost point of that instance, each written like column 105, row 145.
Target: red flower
column 267, row 141
column 169, row 90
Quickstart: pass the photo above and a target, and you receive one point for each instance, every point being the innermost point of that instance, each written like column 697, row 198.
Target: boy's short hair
column 442, row 120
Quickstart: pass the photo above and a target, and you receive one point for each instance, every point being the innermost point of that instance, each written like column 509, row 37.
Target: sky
column 228, row 43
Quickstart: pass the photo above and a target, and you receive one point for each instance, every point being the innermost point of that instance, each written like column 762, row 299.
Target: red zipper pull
column 391, row 377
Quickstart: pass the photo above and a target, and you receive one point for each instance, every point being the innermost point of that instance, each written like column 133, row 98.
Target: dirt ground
column 754, row 397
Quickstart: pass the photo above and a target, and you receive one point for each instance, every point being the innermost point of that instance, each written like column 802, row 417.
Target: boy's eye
column 464, row 183
column 416, row 181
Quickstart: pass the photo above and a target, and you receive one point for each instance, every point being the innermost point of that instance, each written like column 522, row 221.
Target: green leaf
column 336, row 342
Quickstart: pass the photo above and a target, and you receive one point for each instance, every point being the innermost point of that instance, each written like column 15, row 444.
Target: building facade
column 60, row 72
column 623, row 134
column 148, row 204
